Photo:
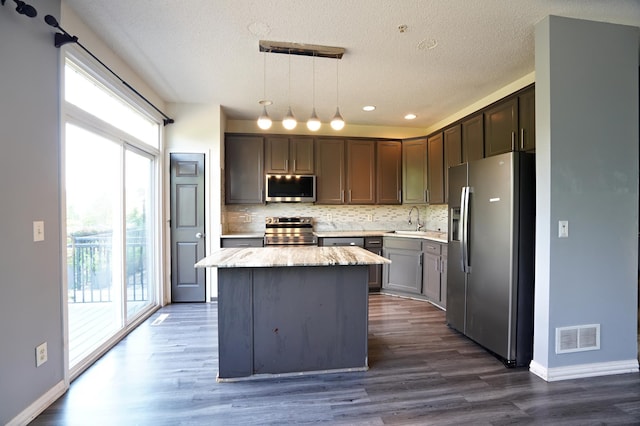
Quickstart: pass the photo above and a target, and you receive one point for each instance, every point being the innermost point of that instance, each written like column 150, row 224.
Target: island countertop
column 267, row 257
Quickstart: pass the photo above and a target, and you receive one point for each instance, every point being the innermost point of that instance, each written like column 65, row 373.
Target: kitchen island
column 291, row 310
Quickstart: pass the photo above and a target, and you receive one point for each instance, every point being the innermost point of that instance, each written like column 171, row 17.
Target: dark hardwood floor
column 421, row 372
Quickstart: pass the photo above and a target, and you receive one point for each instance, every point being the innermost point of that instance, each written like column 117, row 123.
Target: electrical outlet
column 247, row 218
column 41, row 354
column 369, row 218
column 329, row 217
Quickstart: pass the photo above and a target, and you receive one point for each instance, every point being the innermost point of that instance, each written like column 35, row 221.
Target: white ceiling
column 206, row 51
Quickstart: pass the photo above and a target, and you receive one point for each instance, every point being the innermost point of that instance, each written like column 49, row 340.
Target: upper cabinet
column 285, row 155
column 527, row 119
column 414, row 171
column 472, row 138
column 330, row 171
column 510, row 124
column 435, row 169
column 244, row 171
column 361, row 172
column 500, row 127
column 452, row 153
column 357, row 171
column 389, row 172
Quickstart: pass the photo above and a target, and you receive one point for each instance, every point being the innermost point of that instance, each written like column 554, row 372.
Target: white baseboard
column 583, row 370
column 39, row 405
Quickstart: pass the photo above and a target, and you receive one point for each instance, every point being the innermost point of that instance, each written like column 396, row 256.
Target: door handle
column 200, row 235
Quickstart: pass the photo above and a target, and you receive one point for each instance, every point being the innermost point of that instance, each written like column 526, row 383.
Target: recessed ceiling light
column 369, row 108
column 410, row 116
column 427, row 44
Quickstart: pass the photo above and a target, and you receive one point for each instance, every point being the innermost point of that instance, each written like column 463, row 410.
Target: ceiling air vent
column 577, row 338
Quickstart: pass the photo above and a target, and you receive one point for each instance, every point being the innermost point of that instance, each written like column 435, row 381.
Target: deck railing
column 90, row 267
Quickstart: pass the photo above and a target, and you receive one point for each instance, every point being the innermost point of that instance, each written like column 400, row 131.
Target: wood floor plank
column 421, row 373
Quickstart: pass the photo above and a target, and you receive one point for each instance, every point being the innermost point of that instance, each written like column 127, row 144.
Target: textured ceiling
column 453, row 52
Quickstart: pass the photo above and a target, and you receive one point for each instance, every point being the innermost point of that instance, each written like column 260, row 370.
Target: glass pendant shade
column 313, row 123
column 264, row 121
column 337, row 122
column 289, row 122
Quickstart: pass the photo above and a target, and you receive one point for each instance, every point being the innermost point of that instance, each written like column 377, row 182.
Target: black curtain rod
column 64, row 38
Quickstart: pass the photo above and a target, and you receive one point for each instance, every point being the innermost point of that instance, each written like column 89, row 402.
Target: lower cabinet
column 418, row 267
column 227, row 242
column 373, row 244
column 434, row 272
column 405, row 271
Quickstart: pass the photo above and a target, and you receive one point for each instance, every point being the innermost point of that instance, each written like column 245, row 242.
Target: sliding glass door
column 111, row 187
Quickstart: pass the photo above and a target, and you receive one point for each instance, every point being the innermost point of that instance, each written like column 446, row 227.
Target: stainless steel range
column 288, row 231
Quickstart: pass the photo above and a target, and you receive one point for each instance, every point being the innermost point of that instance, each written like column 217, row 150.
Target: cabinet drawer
column 241, row 242
column 432, row 248
column 403, row 243
column 343, row 241
column 373, row 242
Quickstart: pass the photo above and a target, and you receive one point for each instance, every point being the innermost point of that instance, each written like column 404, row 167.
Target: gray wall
column 587, row 173
column 30, row 273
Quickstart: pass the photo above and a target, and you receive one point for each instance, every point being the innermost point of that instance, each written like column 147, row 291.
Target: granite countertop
column 246, row 235
column 266, row 257
column 440, row 237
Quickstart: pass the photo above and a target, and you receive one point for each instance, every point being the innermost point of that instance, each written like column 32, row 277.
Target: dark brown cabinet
column 473, row 138
column 330, row 171
column 435, row 169
column 501, row 127
column 452, row 153
column 244, row 169
column 527, row 119
column 389, row 172
column 289, row 155
column 361, row 177
column 414, row 171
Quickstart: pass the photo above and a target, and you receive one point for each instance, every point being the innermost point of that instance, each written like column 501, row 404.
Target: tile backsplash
column 250, row 218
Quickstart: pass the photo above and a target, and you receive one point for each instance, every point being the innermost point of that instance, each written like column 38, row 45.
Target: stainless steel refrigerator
column 491, row 254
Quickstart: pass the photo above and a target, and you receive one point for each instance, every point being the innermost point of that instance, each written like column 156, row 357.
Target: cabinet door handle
column 294, row 166
column 342, row 196
column 286, row 165
column 437, row 264
column 513, row 141
column 426, row 196
column 350, row 196
column 421, row 258
column 522, row 139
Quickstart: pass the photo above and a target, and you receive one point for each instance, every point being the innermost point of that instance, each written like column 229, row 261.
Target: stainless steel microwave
column 291, row 188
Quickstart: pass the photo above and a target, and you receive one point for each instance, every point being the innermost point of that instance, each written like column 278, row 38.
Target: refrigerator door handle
column 464, row 222
column 461, row 232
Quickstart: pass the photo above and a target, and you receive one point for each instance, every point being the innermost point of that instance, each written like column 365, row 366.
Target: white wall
column 587, row 109
column 198, row 129
column 30, row 272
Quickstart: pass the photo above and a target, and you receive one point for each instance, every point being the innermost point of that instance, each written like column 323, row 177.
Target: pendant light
column 264, row 121
column 289, row 122
column 313, row 123
column 337, row 122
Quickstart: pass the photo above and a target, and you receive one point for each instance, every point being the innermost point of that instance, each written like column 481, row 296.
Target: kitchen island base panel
column 292, row 320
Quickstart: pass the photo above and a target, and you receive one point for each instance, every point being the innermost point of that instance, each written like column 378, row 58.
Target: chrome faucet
column 419, row 225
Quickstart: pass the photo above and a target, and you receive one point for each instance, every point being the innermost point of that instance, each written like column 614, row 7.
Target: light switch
column 563, row 229
column 38, row 230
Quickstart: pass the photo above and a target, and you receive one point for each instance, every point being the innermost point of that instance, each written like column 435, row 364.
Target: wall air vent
column 577, row 338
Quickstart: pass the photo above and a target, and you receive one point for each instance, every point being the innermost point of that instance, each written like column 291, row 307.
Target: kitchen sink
column 412, row 232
